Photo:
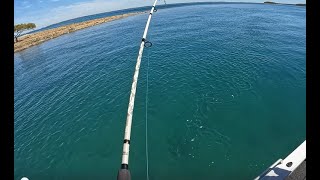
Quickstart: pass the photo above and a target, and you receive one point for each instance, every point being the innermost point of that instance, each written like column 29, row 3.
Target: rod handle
column 124, row 174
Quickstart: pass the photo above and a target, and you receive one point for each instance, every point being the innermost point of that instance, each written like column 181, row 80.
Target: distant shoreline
column 271, row 2
column 33, row 39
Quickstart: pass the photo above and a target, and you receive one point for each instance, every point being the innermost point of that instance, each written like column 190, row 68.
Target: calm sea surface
column 227, row 95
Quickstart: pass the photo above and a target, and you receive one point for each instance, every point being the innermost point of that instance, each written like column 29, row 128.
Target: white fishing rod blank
column 124, row 173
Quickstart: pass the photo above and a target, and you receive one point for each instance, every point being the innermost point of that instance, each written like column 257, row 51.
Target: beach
column 33, row 39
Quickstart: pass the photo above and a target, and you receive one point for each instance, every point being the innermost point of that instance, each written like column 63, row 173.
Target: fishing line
column 147, row 92
column 124, row 173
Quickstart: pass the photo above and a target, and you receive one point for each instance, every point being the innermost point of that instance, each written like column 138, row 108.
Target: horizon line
column 161, row 6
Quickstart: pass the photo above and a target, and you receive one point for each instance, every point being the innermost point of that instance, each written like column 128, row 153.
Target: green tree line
column 20, row 28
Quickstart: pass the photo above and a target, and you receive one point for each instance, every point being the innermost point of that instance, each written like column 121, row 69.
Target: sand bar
column 33, row 39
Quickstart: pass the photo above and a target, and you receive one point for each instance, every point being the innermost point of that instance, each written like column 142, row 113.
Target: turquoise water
column 227, row 95
column 160, row 5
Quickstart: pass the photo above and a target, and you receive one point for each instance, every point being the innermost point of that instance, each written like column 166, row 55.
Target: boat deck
column 293, row 167
column 299, row 173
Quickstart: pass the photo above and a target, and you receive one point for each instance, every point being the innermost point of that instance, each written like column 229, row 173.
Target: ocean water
column 160, row 5
column 227, row 95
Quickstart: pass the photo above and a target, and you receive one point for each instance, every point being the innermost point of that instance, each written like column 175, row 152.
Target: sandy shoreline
column 42, row 36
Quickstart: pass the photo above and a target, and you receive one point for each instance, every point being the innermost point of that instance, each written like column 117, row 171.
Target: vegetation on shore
column 270, row 2
column 33, row 39
column 20, row 28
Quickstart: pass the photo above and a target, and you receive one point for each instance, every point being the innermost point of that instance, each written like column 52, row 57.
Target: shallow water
column 227, row 95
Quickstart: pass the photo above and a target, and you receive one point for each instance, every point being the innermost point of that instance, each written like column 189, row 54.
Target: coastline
column 275, row 3
column 33, row 39
column 29, row 40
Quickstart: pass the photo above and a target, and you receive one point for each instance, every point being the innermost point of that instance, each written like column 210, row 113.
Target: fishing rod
column 124, row 173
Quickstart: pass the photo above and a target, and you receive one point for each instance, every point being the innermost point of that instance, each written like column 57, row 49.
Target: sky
column 47, row 12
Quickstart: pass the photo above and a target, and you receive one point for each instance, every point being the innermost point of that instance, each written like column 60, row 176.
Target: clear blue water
column 227, row 95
